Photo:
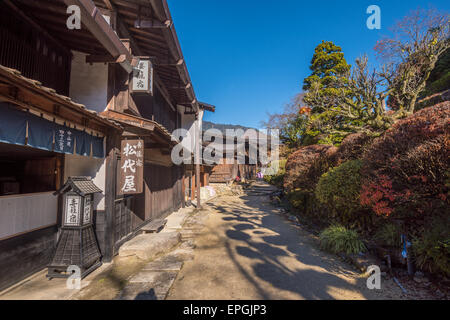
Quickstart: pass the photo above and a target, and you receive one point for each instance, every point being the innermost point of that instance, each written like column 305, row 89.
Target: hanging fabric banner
column 83, row 143
column 64, row 139
column 13, row 125
column 46, row 135
column 40, row 132
column 97, row 147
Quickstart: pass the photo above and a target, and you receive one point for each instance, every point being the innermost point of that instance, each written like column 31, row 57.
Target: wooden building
column 55, row 80
column 232, row 166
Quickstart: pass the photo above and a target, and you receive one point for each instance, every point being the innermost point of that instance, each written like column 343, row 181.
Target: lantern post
column 77, row 244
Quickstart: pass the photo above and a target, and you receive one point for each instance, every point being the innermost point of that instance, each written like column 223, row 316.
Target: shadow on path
column 282, row 256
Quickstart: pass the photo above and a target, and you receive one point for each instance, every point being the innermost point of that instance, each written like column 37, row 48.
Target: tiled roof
column 85, row 185
column 17, row 77
column 139, row 122
column 81, row 185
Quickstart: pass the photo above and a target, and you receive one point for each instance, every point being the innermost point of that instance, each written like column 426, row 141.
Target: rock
column 176, row 220
column 440, row 294
column 402, row 273
column 237, row 190
column 188, row 244
column 420, row 279
column 419, row 274
column 147, row 246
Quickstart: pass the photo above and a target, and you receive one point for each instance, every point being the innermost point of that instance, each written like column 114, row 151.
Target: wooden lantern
column 77, row 245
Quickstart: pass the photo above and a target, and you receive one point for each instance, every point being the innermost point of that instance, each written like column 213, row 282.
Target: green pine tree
column 325, row 88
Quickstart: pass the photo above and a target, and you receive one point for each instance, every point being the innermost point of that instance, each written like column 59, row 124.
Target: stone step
column 147, row 246
column 154, row 226
column 148, row 285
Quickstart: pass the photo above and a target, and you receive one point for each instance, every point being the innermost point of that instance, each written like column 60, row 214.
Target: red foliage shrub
column 406, row 168
column 352, row 147
column 305, row 166
column 378, row 195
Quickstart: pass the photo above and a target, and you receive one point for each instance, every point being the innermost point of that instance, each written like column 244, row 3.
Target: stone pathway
column 156, row 277
column 249, row 250
column 239, row 246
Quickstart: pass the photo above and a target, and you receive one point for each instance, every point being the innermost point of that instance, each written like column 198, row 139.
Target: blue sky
column 249, row 57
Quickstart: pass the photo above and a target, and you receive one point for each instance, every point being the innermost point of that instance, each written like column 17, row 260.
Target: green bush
column 277, row 179
column 338, row 239
column 432, row 249
column 437, row 86
column 340, row 186
column 339, row 189
column 388, row 235
column 298, row 198
column 307, row 207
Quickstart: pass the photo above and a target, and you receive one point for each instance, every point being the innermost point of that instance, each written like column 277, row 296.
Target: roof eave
column 162, row 10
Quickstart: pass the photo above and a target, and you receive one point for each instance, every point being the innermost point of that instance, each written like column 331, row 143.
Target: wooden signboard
column 131, row 167
column 142, row 77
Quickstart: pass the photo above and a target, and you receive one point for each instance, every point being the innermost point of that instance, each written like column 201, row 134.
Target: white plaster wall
column 76, row 165
column 88, row 83
column 27, row 212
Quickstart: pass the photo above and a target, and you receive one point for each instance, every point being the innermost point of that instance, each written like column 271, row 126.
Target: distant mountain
column 222, row 127
column 209, row 125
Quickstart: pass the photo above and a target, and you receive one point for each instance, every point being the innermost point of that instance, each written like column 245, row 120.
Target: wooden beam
column 186, row 103
column 152, row 24
column 98, row 26
column 108, row 4
column 164, row 92
column 162, row 148
column 6, row 86
column 187, row 86
column 104, row 59
column 129, row 134
column 206, row 106
column 178, row 63
column 154, row 145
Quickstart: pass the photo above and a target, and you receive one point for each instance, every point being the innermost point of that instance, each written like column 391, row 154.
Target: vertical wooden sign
column 131, row 167
column 142, row 77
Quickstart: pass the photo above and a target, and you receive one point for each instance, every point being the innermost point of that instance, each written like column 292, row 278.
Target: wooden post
column 110, row 194
column 197, row 160
column 192, row 177
column 205, row 177
column 183, row 188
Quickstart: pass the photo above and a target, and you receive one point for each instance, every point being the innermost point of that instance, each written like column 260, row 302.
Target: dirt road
column 249, row 251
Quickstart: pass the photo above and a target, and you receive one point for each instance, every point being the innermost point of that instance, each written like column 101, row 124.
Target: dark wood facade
column 225, row 173
column 36, row 42
column 25, row 48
